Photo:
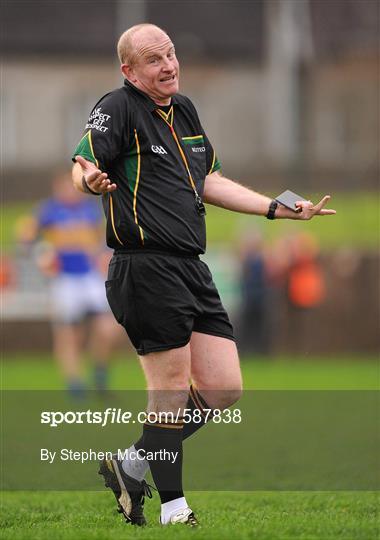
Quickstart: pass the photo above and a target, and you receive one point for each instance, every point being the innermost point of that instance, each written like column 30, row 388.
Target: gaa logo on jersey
column 158, row 149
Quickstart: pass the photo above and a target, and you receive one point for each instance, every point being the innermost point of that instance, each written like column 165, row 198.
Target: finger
column 322, row 203
column 301, row 205
column 82, row 162
column 95, row 179
column 106, row 186
column 326, row 212
column 86, row 165
column 95, row 175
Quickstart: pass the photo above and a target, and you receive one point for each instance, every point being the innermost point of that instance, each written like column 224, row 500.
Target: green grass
column 256, row 516
column 282, row 373
column 223, row 515
column 10, row 214
column 355, row 225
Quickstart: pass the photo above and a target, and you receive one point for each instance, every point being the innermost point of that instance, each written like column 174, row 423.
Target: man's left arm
column 225, row 193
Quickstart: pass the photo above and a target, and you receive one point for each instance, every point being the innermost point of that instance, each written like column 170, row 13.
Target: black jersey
column 159, row 160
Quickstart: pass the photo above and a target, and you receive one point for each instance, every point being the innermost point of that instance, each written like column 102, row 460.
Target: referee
column 145, row 151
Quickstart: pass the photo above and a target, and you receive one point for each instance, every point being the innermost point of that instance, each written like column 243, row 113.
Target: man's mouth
column 169, row 78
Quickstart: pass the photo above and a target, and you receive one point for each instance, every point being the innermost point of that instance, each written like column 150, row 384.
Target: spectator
column 254, row 329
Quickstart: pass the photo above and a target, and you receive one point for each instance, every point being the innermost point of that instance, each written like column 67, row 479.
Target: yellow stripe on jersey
column 137, row 186
column 194, row 138
column 92, row 148
column 113, row 222
column 213, row 163
column 168, row 117
column 174, row 134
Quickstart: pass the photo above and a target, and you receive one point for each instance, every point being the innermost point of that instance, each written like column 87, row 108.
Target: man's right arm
column 77, row 175
column 101, row 144
column 88, row 178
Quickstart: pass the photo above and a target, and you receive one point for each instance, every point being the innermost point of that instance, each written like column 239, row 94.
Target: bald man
column 146, row 153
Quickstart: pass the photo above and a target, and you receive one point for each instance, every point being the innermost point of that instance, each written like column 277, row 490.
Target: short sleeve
column 212, row 162
column 105, row 132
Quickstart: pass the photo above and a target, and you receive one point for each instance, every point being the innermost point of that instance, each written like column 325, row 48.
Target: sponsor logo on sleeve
column 98, row 120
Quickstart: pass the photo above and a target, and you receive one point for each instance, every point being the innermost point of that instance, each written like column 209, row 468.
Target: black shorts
column 160, row 299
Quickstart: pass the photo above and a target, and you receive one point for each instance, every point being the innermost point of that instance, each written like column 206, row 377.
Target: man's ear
column 128, row 72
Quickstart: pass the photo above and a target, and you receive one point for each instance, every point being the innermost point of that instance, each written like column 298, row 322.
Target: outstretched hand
column 307, row 210
column 96, row 180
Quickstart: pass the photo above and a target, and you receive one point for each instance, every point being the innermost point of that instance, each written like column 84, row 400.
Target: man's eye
column 153, row 60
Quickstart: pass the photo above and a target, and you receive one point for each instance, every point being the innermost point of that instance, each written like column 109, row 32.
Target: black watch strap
column 87, row 189
column 272, row 209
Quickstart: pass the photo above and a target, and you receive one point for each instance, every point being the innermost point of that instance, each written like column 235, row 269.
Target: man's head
column 148, row 61
column 63, row 189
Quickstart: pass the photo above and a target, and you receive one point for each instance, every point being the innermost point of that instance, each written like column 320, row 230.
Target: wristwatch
column 272, row 209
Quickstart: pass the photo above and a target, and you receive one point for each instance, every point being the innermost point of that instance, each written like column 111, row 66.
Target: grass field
column 355, row 224
column 232, row 515
column 256, row 516
column 283, row 373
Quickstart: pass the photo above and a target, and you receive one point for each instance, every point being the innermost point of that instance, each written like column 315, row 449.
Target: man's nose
column 167, row 65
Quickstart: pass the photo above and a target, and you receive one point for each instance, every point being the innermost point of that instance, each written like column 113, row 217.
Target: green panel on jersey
column 130, row 165
column 85, row 149
column 198, row 139
column 217, row 165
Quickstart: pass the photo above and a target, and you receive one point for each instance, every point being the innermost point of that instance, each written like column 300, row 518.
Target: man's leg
column 67, row 351
column 215, row 369
column 217, row 383
column 103, row 334
column 67, row 314
column 167, row 375
column 216, row 377
column 103, row 329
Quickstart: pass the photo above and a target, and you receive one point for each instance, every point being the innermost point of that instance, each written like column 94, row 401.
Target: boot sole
column 113, row 480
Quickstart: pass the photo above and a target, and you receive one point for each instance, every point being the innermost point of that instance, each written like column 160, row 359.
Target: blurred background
column 288, row 93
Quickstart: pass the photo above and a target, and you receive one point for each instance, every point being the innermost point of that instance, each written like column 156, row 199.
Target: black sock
column 195, row 401
column 166, row 469
column 168, row 476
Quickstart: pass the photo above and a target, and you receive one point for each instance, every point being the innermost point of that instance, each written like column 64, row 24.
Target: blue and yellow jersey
column 73, row 231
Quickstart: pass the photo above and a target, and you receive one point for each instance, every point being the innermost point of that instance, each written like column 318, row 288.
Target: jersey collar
column 150, row 104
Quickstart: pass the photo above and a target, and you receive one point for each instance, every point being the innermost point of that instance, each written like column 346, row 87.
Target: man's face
column 64, row 191
column 156, row 68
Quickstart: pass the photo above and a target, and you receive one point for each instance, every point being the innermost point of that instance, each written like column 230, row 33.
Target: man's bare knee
column 167, row 401
column 174, row 378
column 167, row 374
column 172, row 393
column 167, row 370
column 232, row 396
column 220, row 392
column 221, row 399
